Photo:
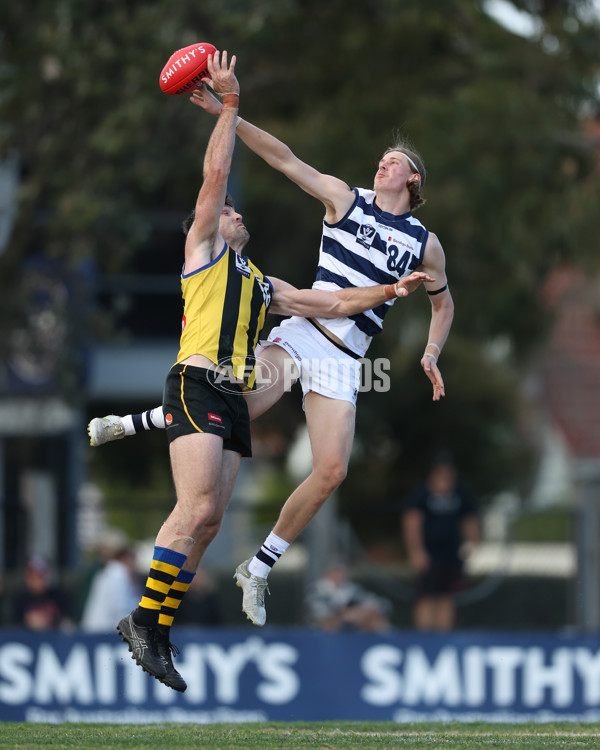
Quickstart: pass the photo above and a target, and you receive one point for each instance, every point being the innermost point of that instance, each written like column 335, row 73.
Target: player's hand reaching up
column 222, row 80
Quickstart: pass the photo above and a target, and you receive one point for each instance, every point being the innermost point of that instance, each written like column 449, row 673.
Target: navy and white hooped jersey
column 366, row 247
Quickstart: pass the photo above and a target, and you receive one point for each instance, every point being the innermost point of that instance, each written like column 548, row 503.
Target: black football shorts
column 194, row 401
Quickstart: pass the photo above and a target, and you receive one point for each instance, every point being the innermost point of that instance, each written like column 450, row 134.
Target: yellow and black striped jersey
column 224, row 305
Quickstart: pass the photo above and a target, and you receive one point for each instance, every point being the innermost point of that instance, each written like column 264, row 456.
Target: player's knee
column 332, row 475
column 199, row 518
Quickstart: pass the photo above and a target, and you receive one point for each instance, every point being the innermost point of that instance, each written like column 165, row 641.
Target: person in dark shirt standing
column 439, row 522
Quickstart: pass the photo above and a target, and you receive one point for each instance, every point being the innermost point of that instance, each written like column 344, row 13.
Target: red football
column 185, row 69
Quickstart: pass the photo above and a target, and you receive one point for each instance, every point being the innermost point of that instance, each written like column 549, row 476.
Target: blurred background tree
column 107, row 167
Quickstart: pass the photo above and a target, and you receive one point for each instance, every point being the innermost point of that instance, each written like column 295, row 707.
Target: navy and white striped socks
column 148, row 420
column 271, row 550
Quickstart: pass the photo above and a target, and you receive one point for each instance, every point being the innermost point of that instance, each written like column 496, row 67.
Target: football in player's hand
column 186, row 68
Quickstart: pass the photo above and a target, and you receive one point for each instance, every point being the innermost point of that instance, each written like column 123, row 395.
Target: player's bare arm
column 335, row 194
column 204, row 242
column 287, row 300
column 442, row 313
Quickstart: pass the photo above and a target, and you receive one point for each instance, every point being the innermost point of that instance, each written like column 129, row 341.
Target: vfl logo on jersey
column 366, row 235
column 265, row 288
column 241, row 266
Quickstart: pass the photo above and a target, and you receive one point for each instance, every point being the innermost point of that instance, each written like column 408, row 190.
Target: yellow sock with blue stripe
column 173, row 599
column 164, row 569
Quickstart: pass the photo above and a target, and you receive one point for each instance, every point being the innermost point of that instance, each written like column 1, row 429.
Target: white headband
column 411, row 162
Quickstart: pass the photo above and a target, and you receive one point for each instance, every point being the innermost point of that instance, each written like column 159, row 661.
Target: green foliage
column 512, row 188
column 404, row 428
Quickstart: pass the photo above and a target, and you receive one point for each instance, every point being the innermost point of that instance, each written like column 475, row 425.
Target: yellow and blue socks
column 173, row 599
column 164, row 569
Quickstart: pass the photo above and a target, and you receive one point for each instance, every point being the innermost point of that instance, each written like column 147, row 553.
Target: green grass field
column 284, row 736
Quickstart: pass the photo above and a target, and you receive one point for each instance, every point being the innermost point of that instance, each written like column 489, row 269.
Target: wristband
column 430, row 343
column 390, row 291
column 431, row 356
column 229, row 102
column 237, row 122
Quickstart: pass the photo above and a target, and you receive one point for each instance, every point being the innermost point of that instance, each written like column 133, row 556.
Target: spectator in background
column 41, row 605
column 115, row 589
column 440, row 526
column 336, row 603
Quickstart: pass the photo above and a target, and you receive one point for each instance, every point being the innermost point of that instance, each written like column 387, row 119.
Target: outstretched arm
column 442, row 313
column 287, row 300
column 203, row 239
column 335, row 194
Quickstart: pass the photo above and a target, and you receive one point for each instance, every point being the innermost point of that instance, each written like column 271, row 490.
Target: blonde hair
column 414, row 186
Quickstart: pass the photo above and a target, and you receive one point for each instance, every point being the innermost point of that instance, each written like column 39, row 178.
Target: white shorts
column 324, row 367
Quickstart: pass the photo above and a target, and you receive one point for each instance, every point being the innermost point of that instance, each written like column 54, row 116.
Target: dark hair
column 414, row 186
column 189, row 220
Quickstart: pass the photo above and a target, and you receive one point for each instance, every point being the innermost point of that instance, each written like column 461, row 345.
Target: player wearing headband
column 369, row 236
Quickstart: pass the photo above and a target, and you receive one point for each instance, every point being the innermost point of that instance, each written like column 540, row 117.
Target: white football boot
column 105, row 429
column 253, row 587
